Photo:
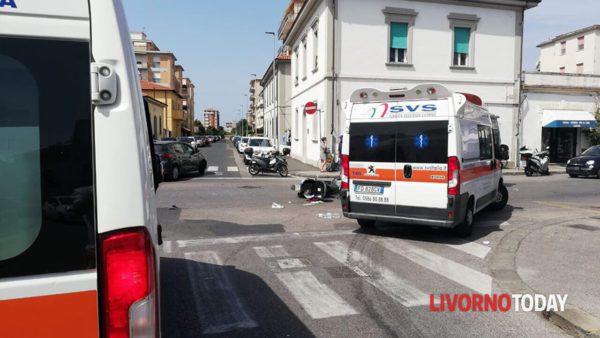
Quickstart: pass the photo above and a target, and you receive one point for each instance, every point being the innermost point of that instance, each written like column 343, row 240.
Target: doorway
column 562, row 143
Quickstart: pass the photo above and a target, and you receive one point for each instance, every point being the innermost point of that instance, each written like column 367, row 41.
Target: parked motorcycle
column 536, row 162
column 275, row 163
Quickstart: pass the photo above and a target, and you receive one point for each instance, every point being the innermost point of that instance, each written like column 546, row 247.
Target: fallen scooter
column 317, row 189
column 275, row 163
column 536, row 162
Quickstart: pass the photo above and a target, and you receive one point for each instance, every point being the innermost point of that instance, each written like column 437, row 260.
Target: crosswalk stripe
column 316, row 298
column 449, row 269
column 233, row 169
column 472, row 248
column 218, row 305
column 271, row 252
column 386, row 281
column 260, row 238
column 212, row 169
column 291, row 263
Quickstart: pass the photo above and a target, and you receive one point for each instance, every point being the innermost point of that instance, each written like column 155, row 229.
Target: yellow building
column 174, row 117
column 158, row 111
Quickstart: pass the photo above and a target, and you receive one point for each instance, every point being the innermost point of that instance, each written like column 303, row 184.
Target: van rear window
column 372, row 142
column 47, row 222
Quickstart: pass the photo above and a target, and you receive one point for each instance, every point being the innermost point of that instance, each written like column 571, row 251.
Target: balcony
column 178, row 114
column 286, row 25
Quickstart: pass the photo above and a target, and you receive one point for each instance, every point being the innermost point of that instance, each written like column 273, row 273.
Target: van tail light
column 453, row 176
column 128, row 284
column 345, row 172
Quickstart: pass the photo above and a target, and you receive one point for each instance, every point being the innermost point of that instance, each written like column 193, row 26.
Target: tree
column 221, row 131
column 243, row 127
column 594, row 134
column 201, row 130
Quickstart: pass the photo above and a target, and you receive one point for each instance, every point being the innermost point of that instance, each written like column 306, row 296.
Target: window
column 178, row 148
column 315, row 126
column 304, row 59
column 297, row 124
column 580, row 68
column 422, row 142
column 296, row 65
column 373, row 142
column 398, row 42
column 581, row 43
column 462, row 37
column 315, row 47
column 563, row 48
column 155, row 127
column 562, row 69
column 156, row 62
column 485, row 142
column 47, row 217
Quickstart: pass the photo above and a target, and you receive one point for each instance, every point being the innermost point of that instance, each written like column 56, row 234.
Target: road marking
column 167, row 247
column 472, row 248
column 233, row 169
column 271, row 252
column 261, row 238
column 386, row 280
column 217, row 302
column 456, row 272
column 316, row 298
column 290, row 263
column 212, row 169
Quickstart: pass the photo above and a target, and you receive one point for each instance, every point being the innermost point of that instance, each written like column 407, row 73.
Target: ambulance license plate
column 368, row 189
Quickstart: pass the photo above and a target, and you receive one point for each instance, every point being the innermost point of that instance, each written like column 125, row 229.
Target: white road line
column 386, row 281
column 167, row 247
column 271, row 252
column 232, row 169
column 316, row 298
column 261, row 238
column 472, row 248
column 212, row 169
column 449, row 269
column 290, row 263
column 217, row 302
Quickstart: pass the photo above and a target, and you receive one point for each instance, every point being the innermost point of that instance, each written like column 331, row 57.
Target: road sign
column 310, row 108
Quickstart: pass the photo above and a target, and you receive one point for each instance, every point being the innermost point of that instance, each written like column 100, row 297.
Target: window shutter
column 398, row 34
column 461, row 40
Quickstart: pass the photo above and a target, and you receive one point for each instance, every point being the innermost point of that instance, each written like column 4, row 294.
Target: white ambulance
column 422, row 156
column 73, row 126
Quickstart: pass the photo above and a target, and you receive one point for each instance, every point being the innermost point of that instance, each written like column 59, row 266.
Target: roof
column 153, row 100
column 147, row 85
column 568, row 35
column 284, row 57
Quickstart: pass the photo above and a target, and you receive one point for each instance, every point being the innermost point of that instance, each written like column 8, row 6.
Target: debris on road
column 276, row 206
column 173, row 207
column 330, row 215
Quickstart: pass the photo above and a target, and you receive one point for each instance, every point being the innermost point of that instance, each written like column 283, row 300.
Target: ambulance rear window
column 47, row 221
column 372, row 142
column 422, row 142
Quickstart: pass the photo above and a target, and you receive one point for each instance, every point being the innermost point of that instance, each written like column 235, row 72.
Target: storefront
column 562, row 132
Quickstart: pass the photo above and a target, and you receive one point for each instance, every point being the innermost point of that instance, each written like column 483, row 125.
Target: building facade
column 575, row 52
column 339, row 47
column 229, row 126
column 157, row 111
column 276, row 96
column 254, row 94
column 173, row 115
column 212, row 118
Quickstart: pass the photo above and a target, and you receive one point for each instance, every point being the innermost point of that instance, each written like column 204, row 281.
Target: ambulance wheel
column 465, row 229
column 501, row 198
column 366, row 223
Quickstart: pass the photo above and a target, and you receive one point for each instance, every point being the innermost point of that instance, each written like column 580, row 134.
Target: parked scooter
column 275, row 163
column 334, row 164
column 536, row 162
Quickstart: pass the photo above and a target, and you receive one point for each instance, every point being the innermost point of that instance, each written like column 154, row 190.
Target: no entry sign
column 310, row 108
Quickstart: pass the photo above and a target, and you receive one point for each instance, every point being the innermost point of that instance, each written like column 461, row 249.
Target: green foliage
column 594, row 134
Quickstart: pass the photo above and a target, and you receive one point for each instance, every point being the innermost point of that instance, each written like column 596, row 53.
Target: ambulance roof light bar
column 427, row 91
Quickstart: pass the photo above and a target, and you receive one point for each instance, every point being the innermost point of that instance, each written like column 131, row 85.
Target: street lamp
column 274, row 43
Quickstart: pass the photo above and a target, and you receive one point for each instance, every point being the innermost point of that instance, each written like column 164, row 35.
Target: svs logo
column 8, row 3
column 384, row 109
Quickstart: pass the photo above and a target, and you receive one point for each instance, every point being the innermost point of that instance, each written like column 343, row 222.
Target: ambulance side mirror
column 504, row 153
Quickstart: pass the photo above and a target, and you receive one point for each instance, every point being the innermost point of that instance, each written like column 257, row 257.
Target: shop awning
column 568, row 119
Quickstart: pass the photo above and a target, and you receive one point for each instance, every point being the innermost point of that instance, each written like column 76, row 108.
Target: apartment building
column 254, row 94
column 575, row 52
column 229, row 126
column 212, row 118
column 161, row 67
column 339, row 46
column 173, row 116
column 277, row 83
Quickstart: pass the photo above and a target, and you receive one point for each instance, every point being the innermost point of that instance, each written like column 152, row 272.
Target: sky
column 221, row 43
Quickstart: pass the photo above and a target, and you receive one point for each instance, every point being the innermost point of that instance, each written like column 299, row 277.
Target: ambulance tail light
column 345, row 172
column 453, row 176
column 128, row 284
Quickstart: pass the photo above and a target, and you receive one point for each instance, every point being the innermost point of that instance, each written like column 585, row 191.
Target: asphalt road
column 232, row 265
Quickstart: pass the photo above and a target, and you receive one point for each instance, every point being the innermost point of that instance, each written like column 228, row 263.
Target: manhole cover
column 584, row 227
column 341, row 272
column 249, row 187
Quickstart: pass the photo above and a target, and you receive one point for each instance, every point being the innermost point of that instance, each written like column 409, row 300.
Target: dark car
column 168, row 139
column 179, row 158
column 586, row 164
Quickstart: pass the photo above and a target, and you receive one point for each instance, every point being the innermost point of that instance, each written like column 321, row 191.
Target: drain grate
column 339, row 272
column 584, row 227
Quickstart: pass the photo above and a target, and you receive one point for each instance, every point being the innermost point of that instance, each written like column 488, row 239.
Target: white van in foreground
column 421, row 156
column 73, row 127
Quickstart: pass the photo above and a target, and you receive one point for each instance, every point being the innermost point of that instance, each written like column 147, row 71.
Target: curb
column 573, row 320
column 319, row 175
column 522, row 173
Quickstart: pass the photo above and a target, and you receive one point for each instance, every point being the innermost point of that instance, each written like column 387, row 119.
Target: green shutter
column 461, row 40
column 398, row 34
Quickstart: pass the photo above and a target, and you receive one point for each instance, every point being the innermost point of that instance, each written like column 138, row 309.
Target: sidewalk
column 299, row 169
column 554, row 169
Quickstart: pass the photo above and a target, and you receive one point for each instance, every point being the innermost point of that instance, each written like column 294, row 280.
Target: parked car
column 236, row 139
column 179, row 158
column 242, row 144
column 189, row 140
column 586, row 164
column 168, row 139
column 261, row 146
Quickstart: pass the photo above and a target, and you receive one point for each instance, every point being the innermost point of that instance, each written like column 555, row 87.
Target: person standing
column 324, row 152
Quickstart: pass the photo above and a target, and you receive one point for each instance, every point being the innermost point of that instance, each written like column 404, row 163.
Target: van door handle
column 408, row 171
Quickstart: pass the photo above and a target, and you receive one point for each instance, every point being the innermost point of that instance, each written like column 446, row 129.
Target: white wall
column 551, row 59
